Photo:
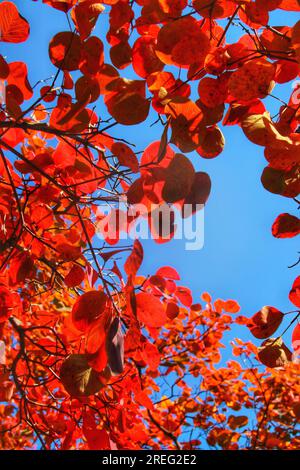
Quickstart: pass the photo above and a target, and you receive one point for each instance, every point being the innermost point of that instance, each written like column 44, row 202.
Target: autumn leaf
column 294, row 295
column 235, row 422
column 85, row 15
column 296, row 339
column 126, row 156
column 150, row 310
column 253, row 80
column 13, row 27
column 179, row 179
column 144, row 58
column 9, row 303
column 134, row 261
column 97, row 439
column 286, row 226
column 265, row 322
column 274, row 353
column 88, row 308
column 168, row 272
column 75, row 276
column 78, row 378
column 182, row 42
column 127, row 103
column 65, row 51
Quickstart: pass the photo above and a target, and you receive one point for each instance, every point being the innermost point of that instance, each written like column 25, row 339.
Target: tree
column 94, row 355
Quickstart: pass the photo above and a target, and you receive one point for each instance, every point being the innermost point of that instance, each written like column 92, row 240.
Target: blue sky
column 240, row 258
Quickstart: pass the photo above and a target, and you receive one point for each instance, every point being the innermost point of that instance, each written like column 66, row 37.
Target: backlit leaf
column 88, row 308
column 150, row 310
column 265, row 322
column 13, row 27
column 78, row 378
column 179, row 179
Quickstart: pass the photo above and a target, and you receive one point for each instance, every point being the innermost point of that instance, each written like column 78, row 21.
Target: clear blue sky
column 240, row 258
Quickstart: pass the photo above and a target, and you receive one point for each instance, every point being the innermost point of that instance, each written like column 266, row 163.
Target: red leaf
column 294, row 295
column 151, row 156
column 126, row 156
column 290, row 5
column 144, row 58
column 97, row 439
column 8, row 303
column 92, row 275
column 88, row 308
column 85, row 16
column 151, row 355
column 265, row 322
column 75, row 276
column 6, row 388
column 286, row 226
column 150, row 310
column 168, row 272
column 172, row 310
column 179, row 179
column 18, row 76
column 134, row 260
column 184, row 295
column 13, row 27
column 199, row 193
column 65, row 50
column 2, row 353
column 296, row 339
column 21, row 268
column 143, row 400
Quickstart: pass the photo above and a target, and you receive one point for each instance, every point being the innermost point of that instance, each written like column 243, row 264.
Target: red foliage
column 93, row 355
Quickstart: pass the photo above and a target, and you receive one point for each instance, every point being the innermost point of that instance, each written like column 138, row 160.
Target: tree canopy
column 94, row 354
